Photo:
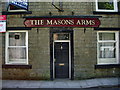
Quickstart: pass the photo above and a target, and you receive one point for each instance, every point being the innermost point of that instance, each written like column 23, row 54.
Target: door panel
column 61, row 56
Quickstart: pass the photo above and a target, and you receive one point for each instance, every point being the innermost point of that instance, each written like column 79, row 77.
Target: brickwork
column 85, row 43
column 84, row 52
column 39, row 53
column 39, row 57
column 85, row 55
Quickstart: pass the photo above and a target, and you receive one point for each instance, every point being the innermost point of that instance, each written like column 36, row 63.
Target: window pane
column 108, row 5
column 61, row 36
column 17, row 38
column 106, row 36
column 107, row 50
column 17, row 53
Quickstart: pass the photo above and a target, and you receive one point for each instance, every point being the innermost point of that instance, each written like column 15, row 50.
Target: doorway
column 61, row 55
column 61, row 48
column 61, row 59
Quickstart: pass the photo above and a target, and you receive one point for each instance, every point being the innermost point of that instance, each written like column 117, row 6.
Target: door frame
column 68, row 41
column 61, row 30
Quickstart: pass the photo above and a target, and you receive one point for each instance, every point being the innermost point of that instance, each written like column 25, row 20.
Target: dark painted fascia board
column 107, row 28
column 109, row 13
column 82, row 16
column 107, row 66
column 18, row 28
column 14, row 13
column 17, row 66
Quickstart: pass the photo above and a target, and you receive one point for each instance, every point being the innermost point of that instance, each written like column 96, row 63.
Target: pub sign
column 62, row 22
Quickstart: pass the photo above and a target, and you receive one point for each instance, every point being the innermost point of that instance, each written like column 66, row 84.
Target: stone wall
column 85, row 43
column 85, row 56
column 85, row 52
column 39, row 57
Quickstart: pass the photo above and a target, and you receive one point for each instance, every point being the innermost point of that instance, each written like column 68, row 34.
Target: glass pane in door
column 61, row 36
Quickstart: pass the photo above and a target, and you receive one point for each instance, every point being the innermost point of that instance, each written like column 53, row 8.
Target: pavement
column 89, row 83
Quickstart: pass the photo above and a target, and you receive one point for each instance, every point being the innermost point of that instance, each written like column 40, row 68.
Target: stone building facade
column 33, row 52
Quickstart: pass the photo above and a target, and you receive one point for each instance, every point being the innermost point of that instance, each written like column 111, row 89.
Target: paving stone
column 61, row 84
column 47, row 84
column 33, row 84
column 93, row 82
column 74, row 84
column 106, row 81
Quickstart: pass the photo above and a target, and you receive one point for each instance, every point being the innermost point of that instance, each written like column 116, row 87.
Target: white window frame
column 24, row 62
column 104, row 10
column 105, row 60
column 19, row 10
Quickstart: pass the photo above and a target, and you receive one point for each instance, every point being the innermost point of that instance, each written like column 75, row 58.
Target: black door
column 61, row 57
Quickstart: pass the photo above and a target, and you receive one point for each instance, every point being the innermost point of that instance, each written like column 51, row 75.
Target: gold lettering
column 35, row 22
column 60, row 22
column 40, row 22
column 55, row 22
column 88, row 22
column 93, row 22
column 83, row 22
column 78, row 22
column 49, row 22
column 68, row 22
column 31, row 22
column 72, row 22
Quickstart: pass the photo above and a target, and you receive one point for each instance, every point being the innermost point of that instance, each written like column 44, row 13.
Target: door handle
column 61, row 64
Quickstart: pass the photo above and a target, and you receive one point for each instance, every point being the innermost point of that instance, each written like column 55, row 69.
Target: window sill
column 12, row 13
column 100, row 12
column 17, row 66
column 107, row 66
column 107, row 28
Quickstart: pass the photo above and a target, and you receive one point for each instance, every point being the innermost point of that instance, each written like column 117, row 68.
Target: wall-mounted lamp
column 50, row 13
column 84, row 30
column 37, row 30
column 73, row 13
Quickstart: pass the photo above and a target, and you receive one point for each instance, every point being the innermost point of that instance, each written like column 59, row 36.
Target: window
column 106, row 5
column 61, row 36
column 108, row 48
column 17, row 5
column 16, row 47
